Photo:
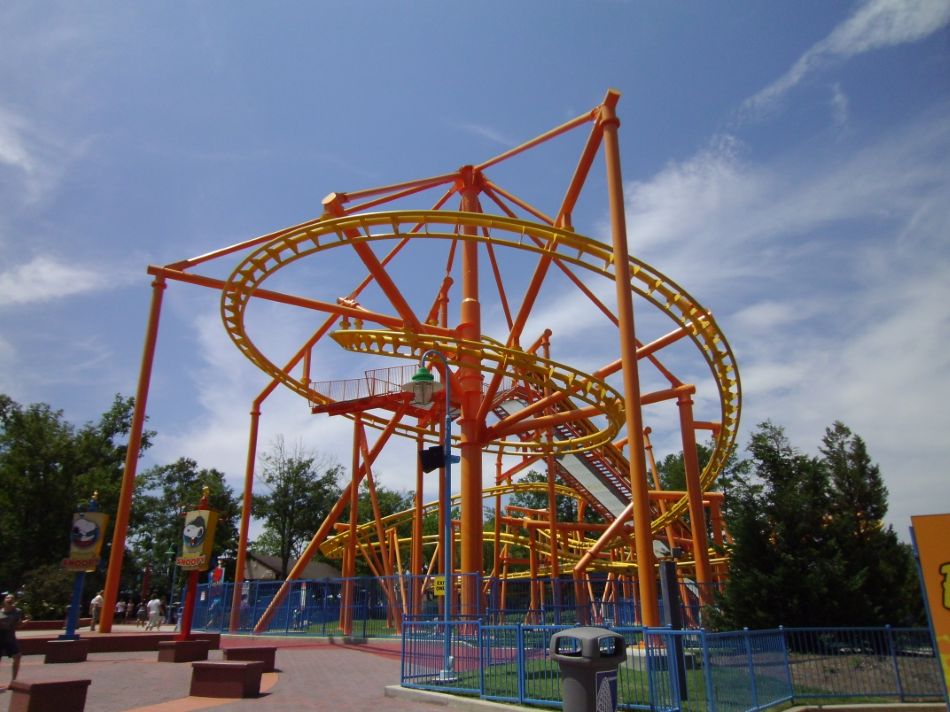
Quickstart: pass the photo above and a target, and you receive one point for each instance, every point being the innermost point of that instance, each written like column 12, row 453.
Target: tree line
column 50, row 468
column 809, row 547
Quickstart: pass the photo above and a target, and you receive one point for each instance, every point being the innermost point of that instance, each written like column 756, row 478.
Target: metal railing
column 499, row 651
column 688, row 670
column 377, row 604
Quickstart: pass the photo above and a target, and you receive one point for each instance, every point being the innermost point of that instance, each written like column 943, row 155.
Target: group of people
column 148, row 614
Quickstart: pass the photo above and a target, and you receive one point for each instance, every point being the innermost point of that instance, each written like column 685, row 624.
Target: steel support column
column 117, row 553
column 628, row 356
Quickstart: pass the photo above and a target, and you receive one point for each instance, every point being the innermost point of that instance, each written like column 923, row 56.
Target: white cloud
column 13, row 149
column 755, row 217
column 831, row 284
column 45, row 278
column 770, row 314
column 489, row 133
column 875, row 25
column 839, row 106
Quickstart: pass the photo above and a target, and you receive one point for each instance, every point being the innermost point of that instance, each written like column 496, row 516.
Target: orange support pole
column 694, row 496
column 234, row 622
column 628, row 356
column 117, row 553
column 349, row 571
column 648, row 446
column 470, row 378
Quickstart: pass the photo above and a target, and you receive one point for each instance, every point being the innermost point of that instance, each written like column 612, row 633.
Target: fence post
column 892, row 651
column 707, row 672
column 752, row 685
column 406, row 627
column 519, row 636
column 788, row 662
column 287, row 610
column 676, row 666
column 648, row 644
column 481, row 664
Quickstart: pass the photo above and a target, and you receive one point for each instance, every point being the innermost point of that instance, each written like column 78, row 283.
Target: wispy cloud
column 13, row 150
column 489, row 133
column 839, row 106
column 875, row 25
column 758, row 214
column 45, row 278
column 830, row 283
column 27, row 168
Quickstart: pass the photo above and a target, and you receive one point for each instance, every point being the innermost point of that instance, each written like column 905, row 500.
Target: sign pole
column 72, row 619
column 188, row 612
column 197, row 541
column 85, row 543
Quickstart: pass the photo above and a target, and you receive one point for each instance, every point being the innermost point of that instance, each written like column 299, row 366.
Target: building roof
column 315, row 570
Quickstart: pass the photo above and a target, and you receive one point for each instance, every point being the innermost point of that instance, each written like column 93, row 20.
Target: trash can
column 588, row 658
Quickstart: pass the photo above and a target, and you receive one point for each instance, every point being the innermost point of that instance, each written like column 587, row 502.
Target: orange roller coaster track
column 511, row 287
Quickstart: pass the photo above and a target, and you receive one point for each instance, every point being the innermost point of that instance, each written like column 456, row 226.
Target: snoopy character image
column 85, row 533
column 195, row 532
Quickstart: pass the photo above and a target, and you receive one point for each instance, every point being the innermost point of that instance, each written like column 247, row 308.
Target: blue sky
column 787, row 162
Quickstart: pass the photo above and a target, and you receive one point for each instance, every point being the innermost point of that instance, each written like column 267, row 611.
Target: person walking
column 95, row 609
column 154, row 613
column 10, row 617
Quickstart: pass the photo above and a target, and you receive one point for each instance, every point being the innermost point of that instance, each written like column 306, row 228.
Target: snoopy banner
column 85, row 541
column 197, row 539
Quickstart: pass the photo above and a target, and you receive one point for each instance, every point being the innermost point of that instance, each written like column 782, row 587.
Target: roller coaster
column 510, row 297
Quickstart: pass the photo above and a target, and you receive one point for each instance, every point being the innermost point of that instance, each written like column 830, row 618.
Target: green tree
column 302, row 488
column 672, row 474
column 47, row 467
column 47, row 591
column 784, row 566
column 880, row 569
column 164, row 493
column 390, row 502
column 566, row 506
column 810, row 548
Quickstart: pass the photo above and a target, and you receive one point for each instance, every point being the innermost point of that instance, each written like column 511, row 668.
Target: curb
column 466, row 704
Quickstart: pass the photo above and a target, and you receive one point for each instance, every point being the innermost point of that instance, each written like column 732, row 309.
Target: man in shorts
column 10, row 617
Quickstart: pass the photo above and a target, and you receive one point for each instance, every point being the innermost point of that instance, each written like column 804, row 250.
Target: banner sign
column 197, row 539
column 85, row 541
column 932, row 539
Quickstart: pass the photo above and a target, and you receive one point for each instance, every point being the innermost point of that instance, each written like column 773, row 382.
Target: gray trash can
column 588, row 658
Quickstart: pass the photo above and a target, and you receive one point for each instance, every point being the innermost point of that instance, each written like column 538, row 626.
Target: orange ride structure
column 490, row 282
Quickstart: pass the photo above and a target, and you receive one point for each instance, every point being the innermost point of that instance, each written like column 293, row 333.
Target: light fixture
column 423, row 387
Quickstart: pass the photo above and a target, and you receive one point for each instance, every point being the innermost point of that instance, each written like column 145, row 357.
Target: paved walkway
column 312, row 675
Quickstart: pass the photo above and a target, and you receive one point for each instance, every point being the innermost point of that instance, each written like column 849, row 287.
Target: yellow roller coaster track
column 409, row 341
column 575, row 548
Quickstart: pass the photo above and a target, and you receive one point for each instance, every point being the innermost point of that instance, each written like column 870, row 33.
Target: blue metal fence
column 309, row 607
column 688, row 670
column 500, row 650
column 378, row 603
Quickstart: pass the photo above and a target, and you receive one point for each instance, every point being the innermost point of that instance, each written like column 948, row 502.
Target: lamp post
column 424, row 387
column 169, row 613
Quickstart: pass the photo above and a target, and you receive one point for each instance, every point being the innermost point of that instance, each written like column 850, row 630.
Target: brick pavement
column 311, row 676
